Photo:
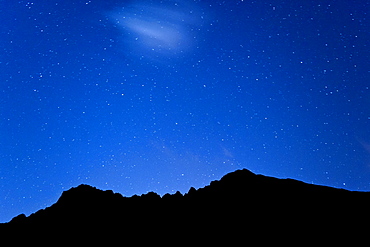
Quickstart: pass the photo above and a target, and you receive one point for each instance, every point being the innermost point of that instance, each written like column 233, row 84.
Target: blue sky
column 139, row 96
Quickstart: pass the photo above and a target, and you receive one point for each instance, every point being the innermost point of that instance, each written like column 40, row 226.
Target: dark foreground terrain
column 241, row 207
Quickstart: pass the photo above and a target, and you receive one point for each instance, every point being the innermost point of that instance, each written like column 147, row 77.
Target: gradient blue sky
column 139, row 96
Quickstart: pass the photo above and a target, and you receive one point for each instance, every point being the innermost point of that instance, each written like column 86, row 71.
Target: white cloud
column 165, row 28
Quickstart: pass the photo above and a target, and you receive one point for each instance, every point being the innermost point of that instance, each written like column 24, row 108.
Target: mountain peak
column 240, row 196
column 239, row 175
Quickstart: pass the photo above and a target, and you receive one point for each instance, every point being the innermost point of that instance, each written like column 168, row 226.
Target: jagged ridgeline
column 241, row 202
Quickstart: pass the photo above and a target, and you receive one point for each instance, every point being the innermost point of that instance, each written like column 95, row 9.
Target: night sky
column 138, row 96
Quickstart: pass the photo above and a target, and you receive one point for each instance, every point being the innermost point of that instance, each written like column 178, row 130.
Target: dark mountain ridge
column 241, row 202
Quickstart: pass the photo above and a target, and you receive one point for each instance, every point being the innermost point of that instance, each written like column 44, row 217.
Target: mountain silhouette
column 239, row 206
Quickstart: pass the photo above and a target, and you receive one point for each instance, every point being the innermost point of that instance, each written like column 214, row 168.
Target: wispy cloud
column 166, row 28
